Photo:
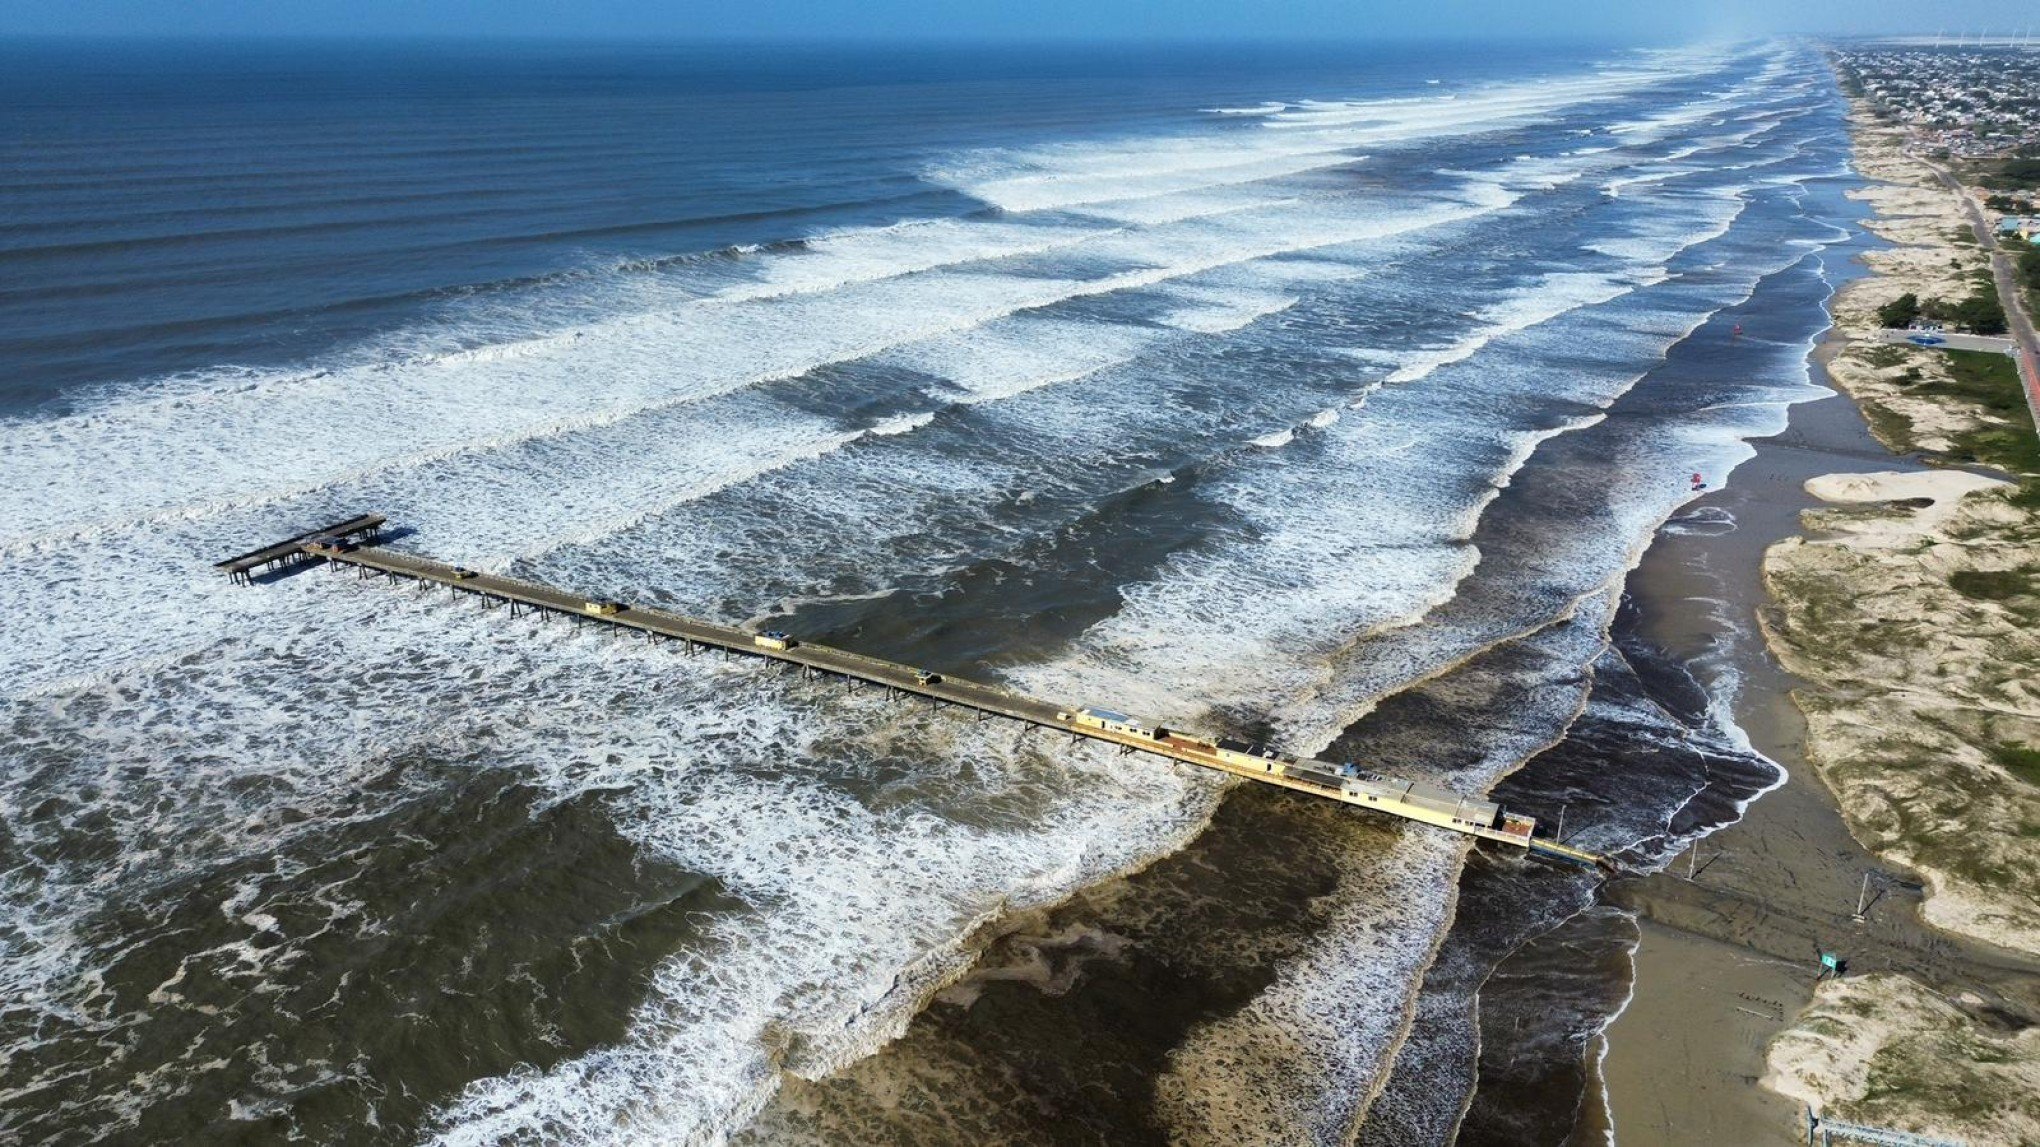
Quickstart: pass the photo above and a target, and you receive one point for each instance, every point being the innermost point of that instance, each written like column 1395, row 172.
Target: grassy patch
column 1883, row 357
column 2009, row 448
column 1991, row 381
column 2021, row 761
column 1893, row 429
column 1992, row 585
column 1986, row 377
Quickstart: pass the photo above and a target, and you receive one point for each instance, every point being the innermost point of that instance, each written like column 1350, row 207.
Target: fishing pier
column 355, row 543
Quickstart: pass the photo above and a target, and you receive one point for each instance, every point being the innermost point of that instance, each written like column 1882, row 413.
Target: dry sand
column 1863, row 1037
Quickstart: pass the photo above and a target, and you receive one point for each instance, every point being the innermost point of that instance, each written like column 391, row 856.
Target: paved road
column 1948, row 340
column 2008, row 291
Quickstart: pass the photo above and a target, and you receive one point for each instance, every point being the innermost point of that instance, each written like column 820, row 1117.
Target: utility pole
column 1561, row 825
column 1693, row 860
column 1863, row 898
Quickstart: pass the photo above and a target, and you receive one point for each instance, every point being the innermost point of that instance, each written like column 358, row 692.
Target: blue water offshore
column 1225, row 387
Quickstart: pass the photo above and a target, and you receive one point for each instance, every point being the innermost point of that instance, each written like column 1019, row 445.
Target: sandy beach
column 1729, row 955
column 1729, row 1035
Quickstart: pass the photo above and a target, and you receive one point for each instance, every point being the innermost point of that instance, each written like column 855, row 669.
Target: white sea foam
column 1239, row 1076
column 1554, row 294
column 1304, row 137
column 1016, row 355
column 184, row 456
column 902, row 424
column 842, row 258
column 640, row 452
column 1214, row 310
column 858, row 898
column 1270, row 107
column 1077, row 176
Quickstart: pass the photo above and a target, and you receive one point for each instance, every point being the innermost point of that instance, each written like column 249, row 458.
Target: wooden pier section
column 295, row 550
column 352, row 544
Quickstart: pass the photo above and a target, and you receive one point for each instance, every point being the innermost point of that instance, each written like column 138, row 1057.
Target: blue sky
column 1642, row 20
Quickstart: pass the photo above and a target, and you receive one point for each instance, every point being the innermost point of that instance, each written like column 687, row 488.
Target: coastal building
column 1113, row 722
column 2025, row 227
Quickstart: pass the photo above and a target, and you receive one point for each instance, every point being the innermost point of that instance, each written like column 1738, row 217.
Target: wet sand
column 1686, row 1053
column 1684, row 1056
column 1730, row 955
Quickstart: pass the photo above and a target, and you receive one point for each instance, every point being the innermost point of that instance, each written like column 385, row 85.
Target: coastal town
column 1963, row 103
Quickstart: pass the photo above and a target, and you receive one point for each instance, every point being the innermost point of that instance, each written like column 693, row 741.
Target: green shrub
column 1899, row 312
column 1980, row 312
column 1987, row 378
column 2021, row 761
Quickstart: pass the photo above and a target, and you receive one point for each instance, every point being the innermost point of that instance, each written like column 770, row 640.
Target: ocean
column 1328, row 393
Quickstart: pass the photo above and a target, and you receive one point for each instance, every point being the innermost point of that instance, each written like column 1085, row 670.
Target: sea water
column 1324, row 393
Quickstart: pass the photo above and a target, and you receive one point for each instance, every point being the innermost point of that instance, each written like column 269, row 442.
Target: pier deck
column 1410, row 800
column 292, row 550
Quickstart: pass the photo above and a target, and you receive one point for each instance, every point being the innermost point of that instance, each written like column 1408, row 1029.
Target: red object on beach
column 1699, row 481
